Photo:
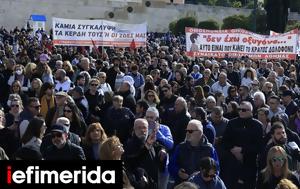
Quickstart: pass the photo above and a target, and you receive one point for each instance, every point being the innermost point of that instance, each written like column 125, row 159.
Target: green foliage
column 207, row 2
column 223, row 3
column 236, row 4
column 172, row 26
column 292, row 25
column 261, row 21
column 236, row 21
column 184, row 22
column 209, row 24
column 250, row 5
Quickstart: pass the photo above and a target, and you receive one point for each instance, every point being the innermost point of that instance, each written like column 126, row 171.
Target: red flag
column 95, row 47
column 132, row 45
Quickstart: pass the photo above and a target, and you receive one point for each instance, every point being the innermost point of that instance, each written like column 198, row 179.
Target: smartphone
column 151, row 127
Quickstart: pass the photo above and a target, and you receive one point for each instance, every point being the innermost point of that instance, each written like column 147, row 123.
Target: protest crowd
column 175, row 121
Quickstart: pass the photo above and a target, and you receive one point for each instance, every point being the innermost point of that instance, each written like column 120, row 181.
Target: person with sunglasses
column 185, row 160
column 242, row 140
column 275, row 170
column 62, row 148
column 207, row 177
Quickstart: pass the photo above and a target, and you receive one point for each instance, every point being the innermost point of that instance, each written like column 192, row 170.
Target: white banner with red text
column 71, row 32
column 235, row 43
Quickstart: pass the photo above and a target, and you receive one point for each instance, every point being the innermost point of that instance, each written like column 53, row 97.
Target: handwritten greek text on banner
column 239, row 42
column 102, row 32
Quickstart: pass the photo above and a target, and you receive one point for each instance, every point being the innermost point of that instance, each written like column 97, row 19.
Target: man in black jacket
column 242, row 141
column 62, row 149
column 141, row 151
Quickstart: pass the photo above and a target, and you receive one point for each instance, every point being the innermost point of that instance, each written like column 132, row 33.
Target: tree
column 236, row 21
column 172, row 26
column 277, row 15
column 209, row 24
column 224, row 3
column 183, row 23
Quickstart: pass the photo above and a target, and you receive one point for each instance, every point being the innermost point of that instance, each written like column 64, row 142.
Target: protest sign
column 236, row 43
column 101, row 32
column 272, row 33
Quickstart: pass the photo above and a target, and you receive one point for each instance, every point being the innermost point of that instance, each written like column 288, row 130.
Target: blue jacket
column 188, row 157
column 215, row 183
column 164, row 137
column 209, row 131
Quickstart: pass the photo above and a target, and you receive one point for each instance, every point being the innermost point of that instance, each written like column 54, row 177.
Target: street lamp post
column 254, row 15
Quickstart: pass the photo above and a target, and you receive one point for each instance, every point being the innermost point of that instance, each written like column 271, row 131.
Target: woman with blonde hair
column 67, row 66
column 286, row 184
column 29, row 70
column 112, row 149
column 151, row 98
column 35, row 88
column 276, row 169
column 94, row 137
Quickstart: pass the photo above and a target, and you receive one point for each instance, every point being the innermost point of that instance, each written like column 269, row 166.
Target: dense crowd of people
column 174, row 120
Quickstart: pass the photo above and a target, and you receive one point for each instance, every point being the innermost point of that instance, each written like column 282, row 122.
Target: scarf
column 44, row 105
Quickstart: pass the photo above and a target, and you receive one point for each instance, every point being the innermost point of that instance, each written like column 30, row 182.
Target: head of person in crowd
column 164, row 65
column 263, row 64
column 243, row 90
column 249, row 74
column 16, row 87
column 141, row 108
column 19, row 70
column 95, row 134
column 232, row 91
column 220, row 98
column 267, row 87
column 151, row 97
column 59, row 64
column 274, row 102
column 210, row 102
column 16, row 106
column 180, row 106
column 175, row 87
column 72, row 112
column 245, row 110
column 262, row 80
column 222, row 78
column 272, row 77
column 287, row 97
column 60, row 75
column 80, row 80
column 60, row 98
column 85, row 64
column 111, row 149
column 286, row 184
column 167, row 91
column 125, row 87
column 67, row 66
column 217, row 114
column 36, row 128
column 194, row 132
column 199, row 113
column 59, row 136
column 30, row 69
column 102, row 77
column 262, row 115
column 206, row 73
column 10, row 64
column 28, row 153
column 276, row 161
column 155, row 74
column 36, row 85
column 140, row 129
column 34, row 106
column 215, row 67
column 208, row 169
column 186, row 185
column 77, row 93
column 279, row 136
column 64, row 122
column 117, row 102
column 232, row 107
column 255, row 85
column 163, row 82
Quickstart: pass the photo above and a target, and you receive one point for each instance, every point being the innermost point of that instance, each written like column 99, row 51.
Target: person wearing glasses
column 185, row 160
column 62, row 148
column 243, row 140
column 207, row 177
column 15, row 108
column 275, row 170
column 32, row 109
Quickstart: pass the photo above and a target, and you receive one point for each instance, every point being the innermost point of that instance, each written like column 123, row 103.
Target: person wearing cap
column 290, row 105
column 46, row 141
column 58, row 110
column 129, row 100
column 62, row 148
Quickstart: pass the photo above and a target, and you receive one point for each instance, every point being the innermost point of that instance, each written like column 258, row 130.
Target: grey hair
column 247, row 103
column 260, row 95
column 153, row 110
column 211, row 98
column 197, row 123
